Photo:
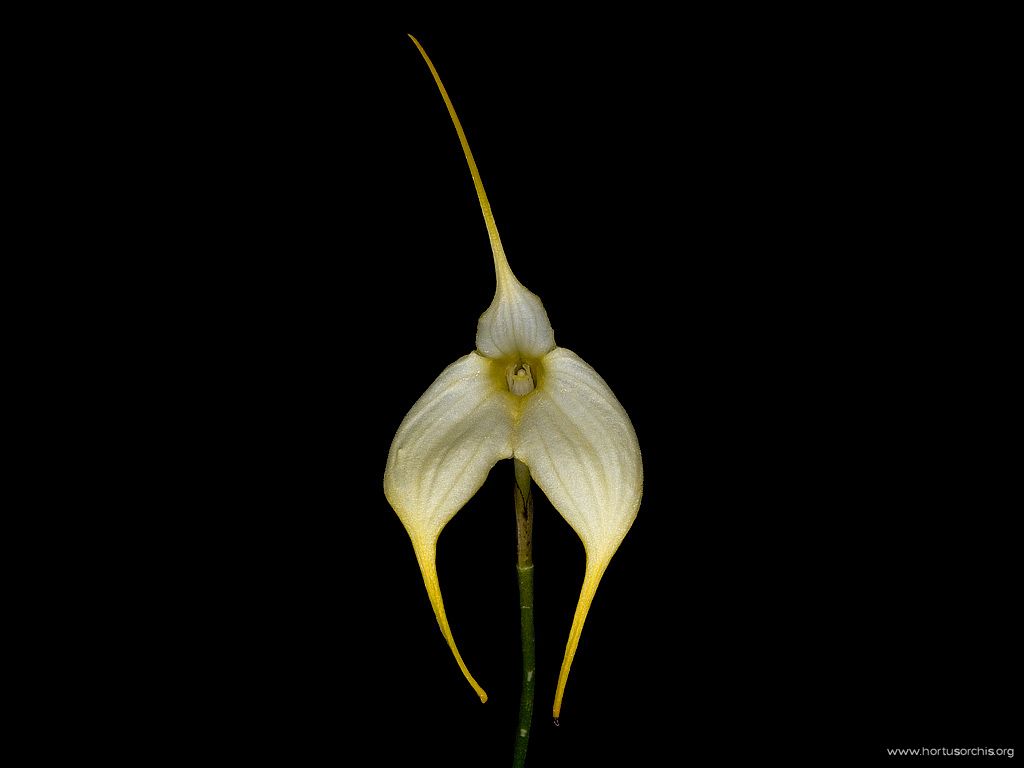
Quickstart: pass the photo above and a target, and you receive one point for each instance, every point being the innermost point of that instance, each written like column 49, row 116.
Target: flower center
column 520, row 379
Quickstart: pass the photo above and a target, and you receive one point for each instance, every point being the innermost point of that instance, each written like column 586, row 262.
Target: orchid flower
column 517, row 395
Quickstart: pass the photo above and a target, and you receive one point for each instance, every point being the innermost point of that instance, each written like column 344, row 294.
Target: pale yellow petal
column 441, row 455
column 583, row 453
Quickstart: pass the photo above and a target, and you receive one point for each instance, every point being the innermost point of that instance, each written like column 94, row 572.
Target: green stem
column 524, row 566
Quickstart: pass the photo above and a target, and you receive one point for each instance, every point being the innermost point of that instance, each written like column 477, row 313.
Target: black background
column 761, row 234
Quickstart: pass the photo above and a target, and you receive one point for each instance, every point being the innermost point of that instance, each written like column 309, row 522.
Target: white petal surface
column 516, row 324
column 446, row 445
column 583, row 453
column 441, row 455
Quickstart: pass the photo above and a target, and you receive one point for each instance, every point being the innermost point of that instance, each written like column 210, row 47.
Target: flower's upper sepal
column 516, row 325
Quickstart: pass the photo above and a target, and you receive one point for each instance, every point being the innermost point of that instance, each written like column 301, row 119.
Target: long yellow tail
column 426, row 557
column 592, row 577
column 501, row 267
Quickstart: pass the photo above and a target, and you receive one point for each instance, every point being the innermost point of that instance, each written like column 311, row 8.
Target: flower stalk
column 524, row 567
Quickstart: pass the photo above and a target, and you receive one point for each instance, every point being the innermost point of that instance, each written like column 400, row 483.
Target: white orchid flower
column 517, row 395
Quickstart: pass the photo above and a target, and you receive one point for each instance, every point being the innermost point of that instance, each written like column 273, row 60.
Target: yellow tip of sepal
column 426, row 557
column 591, row 579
